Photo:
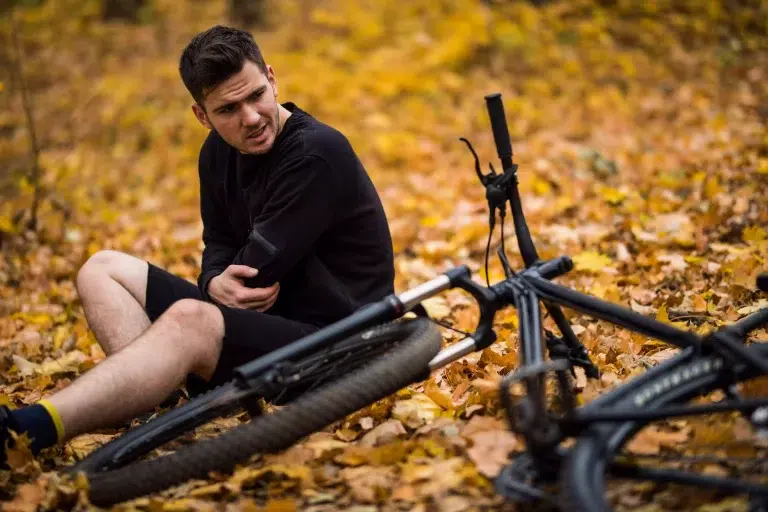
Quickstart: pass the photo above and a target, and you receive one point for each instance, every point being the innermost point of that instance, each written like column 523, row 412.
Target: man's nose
column 251, row 116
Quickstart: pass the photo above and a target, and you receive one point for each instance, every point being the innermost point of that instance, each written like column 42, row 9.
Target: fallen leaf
column 369, row 484
column 383, row 433
column 591, row 261
column 28, row 498
column 650, row 440
column 416, row 411
column 490, row 450
column 84, row 444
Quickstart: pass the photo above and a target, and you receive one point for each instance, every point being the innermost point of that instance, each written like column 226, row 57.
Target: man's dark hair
column 215, row 55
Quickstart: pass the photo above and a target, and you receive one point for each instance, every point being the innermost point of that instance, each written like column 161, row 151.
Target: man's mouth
column 257, row 133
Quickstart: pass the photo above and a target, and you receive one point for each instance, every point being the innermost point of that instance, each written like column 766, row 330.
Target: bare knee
column 127, row 270
column 203, row 328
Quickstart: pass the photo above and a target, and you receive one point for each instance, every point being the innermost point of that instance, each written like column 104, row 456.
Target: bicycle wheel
column 583, row 480
column 405, row 363
column 305, row 375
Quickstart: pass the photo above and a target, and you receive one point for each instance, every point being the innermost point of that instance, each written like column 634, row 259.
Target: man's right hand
column 229, row 289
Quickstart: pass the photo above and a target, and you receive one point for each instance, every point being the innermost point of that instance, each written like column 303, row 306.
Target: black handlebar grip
column 762, row 282
column 556, row 267
column 499, row 125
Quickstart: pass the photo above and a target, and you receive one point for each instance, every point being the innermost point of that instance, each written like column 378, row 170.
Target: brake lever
column 483, row 179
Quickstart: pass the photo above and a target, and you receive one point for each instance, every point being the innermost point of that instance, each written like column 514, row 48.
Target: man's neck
column 282, row 116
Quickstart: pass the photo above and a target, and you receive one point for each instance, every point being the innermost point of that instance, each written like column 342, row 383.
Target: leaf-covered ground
column 640, row 130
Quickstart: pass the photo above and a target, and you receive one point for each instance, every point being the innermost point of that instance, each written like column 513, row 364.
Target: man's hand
column 228, row 289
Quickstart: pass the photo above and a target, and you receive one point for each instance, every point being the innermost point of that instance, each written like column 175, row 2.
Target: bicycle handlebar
column 499, row 126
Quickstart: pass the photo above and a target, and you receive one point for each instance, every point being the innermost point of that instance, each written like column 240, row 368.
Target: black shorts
column 248, row 334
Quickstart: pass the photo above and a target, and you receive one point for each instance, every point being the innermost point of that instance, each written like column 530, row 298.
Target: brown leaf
column 454, row 504
column 82, row 445
column 650, row 440
column 416, row 411
column 322, row 442
column 19, row 457
column 27, row 499
column 296, row 455
column 383, row 433
column 369, row 484
column 490, row 450
column 482, row 424
column 247, row 476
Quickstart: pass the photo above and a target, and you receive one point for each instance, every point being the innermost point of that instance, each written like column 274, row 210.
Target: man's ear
column 271, row 79
column 201, row 116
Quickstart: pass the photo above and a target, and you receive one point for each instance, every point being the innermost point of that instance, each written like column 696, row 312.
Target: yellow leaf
column 662, row 315
column 433, row 391
column 541, row 187
column 61, row 335
column 25, row 187
column 34, row 318
column 82, row 445
column 6, row 224
column 753, row 234
column 712, row 187
column 591, row 261
column 763, row 167
column 430, row 221
column 612, row 195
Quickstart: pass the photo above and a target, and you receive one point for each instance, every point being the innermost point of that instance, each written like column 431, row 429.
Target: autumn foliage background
column 639, row 127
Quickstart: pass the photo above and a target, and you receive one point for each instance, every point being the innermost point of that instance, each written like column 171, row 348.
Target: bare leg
column 185, row 339
column 112, row 287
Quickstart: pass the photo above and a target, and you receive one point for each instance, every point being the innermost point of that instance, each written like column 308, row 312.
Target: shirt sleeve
column 299, row 208
column 220, row 242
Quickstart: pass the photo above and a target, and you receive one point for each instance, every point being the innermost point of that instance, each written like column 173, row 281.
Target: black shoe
column 6, row 423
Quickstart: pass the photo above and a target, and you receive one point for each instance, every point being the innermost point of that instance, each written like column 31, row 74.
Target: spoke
column 447, row 326
column 324, row 376
column 683, row 477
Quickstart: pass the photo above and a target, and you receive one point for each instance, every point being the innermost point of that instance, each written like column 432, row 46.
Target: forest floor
column 640, row 132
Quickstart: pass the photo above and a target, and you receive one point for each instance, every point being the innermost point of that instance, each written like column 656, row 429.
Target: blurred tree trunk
column 127, row 10
column 247, row 13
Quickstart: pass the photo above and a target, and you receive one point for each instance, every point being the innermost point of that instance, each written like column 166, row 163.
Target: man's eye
column 225, row 110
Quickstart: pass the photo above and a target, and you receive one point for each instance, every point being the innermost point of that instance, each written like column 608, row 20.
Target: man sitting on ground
column 295, row 238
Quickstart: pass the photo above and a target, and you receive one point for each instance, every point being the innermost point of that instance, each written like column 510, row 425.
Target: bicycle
column 385, row 358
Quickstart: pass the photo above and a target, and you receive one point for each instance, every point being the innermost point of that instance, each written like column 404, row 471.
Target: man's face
column 243, row 109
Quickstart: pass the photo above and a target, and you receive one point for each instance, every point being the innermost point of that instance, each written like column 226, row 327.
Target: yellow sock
column 55, row 417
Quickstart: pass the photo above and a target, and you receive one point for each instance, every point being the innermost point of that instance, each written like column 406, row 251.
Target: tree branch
column 27, row 106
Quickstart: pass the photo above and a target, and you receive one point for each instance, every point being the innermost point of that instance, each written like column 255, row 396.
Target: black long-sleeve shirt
column 305, row 214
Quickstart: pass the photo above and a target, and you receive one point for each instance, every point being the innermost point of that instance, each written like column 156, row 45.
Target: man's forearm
column 204, row 281
column 216, row 259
